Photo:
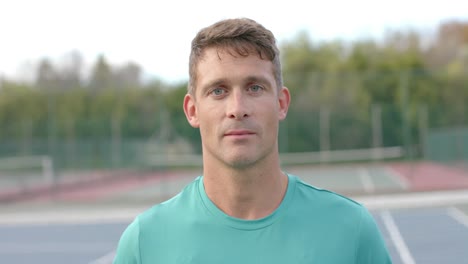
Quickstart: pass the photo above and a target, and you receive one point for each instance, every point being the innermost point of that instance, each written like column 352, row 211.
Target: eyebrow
column 249, row 79
column 258, row 79
column 213, row 83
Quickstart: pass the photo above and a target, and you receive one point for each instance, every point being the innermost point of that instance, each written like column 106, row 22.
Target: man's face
column 237, row 106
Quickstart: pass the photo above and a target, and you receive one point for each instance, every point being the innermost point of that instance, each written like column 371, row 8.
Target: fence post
column 52, row 126
column 405, row 115
column 324, row 133
column 27, row 136
column 423, row 129
column 116, row 147
column 376, row 130
column 48, row 170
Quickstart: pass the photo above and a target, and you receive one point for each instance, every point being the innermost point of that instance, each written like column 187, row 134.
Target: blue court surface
column 416, row 235
column 424, row 227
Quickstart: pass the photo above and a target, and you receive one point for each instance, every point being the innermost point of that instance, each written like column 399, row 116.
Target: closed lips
column 239, row 132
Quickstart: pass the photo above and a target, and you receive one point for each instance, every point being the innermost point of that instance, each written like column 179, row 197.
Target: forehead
column 227, row 63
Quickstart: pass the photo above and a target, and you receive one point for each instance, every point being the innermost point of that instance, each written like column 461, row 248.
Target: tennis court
column 420, row 224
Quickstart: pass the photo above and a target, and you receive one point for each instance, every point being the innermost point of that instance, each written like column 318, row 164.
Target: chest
column 269, row 245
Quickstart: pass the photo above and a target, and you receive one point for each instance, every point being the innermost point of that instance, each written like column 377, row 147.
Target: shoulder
column 167, row 210
column 347, row 216
column 152, row 221
column 371, row 247
column 326, row 198
column 128, row 249
column 328, row 207
column 170, row 210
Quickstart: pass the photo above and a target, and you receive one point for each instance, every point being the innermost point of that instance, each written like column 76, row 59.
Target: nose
column 237, row 106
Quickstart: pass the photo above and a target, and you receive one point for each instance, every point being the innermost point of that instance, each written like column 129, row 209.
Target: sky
column 157, row 34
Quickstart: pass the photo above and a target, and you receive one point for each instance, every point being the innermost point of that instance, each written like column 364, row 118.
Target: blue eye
column 217, row 91
column 255, row 88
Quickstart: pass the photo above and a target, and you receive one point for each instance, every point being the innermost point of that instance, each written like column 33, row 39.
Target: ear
column 190, row 110
column 284, row 98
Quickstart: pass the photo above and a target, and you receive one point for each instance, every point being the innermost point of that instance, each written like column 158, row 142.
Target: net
column 342, row 156
column 25, row 171
column 319, row 157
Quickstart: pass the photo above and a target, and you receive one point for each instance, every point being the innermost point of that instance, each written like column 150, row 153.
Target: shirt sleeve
column 128, row 249
column 371, row 248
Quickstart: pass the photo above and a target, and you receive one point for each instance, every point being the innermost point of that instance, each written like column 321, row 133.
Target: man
column 245, row 209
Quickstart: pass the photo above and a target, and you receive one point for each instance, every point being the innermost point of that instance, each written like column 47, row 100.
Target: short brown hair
column 243, row 36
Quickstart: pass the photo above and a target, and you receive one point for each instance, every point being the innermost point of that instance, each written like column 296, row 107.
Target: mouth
column 239, row 133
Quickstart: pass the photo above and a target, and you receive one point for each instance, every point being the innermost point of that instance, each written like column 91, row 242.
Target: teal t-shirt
column 310, row 226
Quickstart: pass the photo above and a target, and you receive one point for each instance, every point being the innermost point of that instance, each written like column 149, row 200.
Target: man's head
column 236, row 97
column 240, row 37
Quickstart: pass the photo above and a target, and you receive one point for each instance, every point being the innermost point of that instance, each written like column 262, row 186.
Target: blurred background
column 402, row 95
column 91, row 98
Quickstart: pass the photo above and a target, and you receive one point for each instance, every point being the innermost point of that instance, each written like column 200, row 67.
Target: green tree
column 101, row 75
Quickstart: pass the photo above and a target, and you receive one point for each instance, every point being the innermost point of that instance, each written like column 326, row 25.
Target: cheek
column 271, row 115
column 271, row 111
column 208, row 124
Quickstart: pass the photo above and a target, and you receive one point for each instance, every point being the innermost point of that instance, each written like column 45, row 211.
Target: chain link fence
column 121, row 129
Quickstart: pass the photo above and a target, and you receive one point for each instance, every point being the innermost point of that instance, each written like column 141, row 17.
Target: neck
column 250, row 193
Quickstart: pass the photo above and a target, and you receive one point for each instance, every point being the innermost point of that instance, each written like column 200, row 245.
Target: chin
column 242, row 162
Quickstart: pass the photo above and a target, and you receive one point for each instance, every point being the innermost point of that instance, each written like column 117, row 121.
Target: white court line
column 126, row 215
column 458, row 215
column 34, row 248
column 397, row 239
column 398, row 178
column 366, row 180
column 70, row 216
column 106, row 259
column 414, row 200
